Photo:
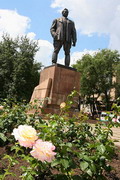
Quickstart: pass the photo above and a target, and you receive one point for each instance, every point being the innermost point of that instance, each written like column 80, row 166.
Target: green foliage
column 78, row 145
column 18, row 69
column 97, row 74
column 11, row 162
column 12, row 115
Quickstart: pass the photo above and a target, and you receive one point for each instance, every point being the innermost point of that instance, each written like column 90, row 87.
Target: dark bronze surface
column 64, row 34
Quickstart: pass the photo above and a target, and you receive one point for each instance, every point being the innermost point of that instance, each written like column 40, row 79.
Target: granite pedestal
column 56, row 83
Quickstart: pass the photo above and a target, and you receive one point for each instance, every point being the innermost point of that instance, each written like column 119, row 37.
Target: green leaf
column 101, row 148
column 93, row 168
column 84, row 165
column 1, row 177
column 29, row 177
column 17, row 149
column 65, row 163
column 9, row 173
column 69, row 144
column 70, row 102
column 55, row 163
column 86, row 158
column 42, row 126
column 3, row 137
column 89, row 172
column 8, row 157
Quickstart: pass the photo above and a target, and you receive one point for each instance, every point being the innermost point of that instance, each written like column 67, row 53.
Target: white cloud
column 13, row 23
column 31, row 35
column 93, row 16
column 78, row 55
column 45, row 52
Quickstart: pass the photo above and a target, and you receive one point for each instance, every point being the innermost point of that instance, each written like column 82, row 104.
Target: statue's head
column 65, row 12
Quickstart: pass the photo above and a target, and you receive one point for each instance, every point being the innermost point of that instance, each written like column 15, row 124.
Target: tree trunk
column 107, row 102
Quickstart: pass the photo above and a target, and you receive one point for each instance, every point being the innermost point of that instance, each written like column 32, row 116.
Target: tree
column 97, row 74
column 18, row 69
column 118, row 81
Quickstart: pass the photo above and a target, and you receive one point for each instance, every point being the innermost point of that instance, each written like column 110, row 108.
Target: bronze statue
column 64, row 34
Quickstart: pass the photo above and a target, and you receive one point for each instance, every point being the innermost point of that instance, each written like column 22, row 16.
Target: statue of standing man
column 64, row 34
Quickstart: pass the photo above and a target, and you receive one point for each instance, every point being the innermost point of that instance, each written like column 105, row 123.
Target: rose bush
column 12, row 114
column 78, row 146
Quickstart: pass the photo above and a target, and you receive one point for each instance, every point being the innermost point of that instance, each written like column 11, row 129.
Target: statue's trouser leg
column 67, row 60
column 67, row 47
column 54, row 57
column 57, row 47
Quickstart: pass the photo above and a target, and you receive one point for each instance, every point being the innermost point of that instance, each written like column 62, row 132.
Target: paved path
column 116, row 135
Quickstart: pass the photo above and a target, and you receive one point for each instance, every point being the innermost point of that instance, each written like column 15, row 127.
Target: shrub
column 82, row 151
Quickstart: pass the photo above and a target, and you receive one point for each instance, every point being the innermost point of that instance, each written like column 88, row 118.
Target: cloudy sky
column 97, row 23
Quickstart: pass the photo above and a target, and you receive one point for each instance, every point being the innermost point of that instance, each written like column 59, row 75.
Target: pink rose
column 62, row 105
column 1, row 107
column 43, row 151
column 26, row 135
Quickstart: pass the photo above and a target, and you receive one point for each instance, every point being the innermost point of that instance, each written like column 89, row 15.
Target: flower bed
column 58, row 147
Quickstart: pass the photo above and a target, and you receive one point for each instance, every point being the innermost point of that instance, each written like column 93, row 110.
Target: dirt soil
column 114, row 175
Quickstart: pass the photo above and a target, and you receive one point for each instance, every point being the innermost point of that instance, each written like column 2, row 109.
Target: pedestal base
column 56, row 83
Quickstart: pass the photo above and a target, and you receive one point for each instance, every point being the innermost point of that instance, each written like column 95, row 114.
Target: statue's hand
column 55, row 35
column 73, row 44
